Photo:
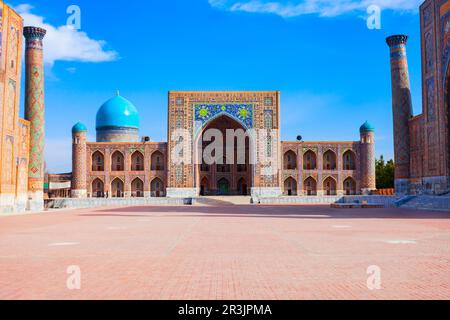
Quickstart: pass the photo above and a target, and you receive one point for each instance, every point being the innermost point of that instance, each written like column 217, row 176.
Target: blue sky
column 332, row 70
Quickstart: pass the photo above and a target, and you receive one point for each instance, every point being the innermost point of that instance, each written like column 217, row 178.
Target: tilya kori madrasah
column 123, row 164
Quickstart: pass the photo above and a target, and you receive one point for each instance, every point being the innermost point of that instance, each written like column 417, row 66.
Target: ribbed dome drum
column 117, row 121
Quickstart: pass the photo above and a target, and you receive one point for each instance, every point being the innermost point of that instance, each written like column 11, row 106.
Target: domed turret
column 117, row 121
column 367, row 127
column 79, row 127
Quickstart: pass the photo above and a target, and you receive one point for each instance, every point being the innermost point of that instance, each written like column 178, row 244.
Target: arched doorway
column 309, row 160
column 310, row 187
column 329, row 186
column 157, row 161
column 117, row 161
column 242, row 187
column 329, row 160
column 204, row 187
column 157, row 188
column 290, row 160
column 137, row 161
column 349, row 160
column 223, row 153
column 290, row 187
column 117, row 188
column 349, row 186
column 137, row 188
column 98, row 188
column 98, row 161
column 223, row 187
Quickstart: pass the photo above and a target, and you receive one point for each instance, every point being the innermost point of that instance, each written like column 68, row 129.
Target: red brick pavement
column 232, row 252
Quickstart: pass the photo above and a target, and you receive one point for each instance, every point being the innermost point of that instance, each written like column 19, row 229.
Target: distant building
column 21, row 140
column 119, row 164
column 58, row 185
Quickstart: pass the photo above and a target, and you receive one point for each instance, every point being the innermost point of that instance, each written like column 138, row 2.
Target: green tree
column 385, row 173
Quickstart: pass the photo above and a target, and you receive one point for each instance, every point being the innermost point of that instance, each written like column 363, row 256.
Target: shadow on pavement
column 254, row 211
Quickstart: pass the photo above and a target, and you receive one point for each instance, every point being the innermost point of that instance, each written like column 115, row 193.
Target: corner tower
column 367, row 158
column 34, row 112
column 79, row 149
column 401, row 109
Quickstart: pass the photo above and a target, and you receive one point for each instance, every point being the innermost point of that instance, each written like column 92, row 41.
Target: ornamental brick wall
column 107, row 175
column 430, row 91
column 11, row 26
column 417, row 137
column 367, row 162
column 320, row 174
column 23, row 157
column 433, row 87
column 401, row 106
column 429, row 150
column 14, row 132
column 79, row 164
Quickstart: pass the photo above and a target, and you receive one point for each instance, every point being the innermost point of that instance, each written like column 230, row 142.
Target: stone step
column 429, row 203
column 62, row 203
column 223, row 200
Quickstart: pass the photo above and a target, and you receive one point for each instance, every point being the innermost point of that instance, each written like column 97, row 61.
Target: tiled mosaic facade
column 422, row 150
column 193, row 111
column 261, row 110
column 15, row 139
column 118, row 169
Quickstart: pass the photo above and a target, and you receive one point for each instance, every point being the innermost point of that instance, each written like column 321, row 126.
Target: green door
column 224, row 186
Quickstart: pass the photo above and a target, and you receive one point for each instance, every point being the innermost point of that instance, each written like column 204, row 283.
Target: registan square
column 225, row 150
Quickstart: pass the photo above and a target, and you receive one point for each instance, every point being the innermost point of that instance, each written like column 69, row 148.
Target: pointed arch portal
column 233, row 173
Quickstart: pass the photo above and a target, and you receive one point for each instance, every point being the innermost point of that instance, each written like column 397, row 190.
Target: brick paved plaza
column 226, row 252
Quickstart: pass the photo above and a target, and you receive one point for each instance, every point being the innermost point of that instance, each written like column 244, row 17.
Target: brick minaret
column 367, row 158
column 402, row 110
column 34, row 112
column 79, row 184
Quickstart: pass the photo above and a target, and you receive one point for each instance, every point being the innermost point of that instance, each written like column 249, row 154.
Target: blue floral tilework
column 243, row 113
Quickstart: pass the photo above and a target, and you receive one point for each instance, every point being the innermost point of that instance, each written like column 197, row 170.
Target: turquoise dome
column 117, row 112
column 79, row 127
column 367, row 127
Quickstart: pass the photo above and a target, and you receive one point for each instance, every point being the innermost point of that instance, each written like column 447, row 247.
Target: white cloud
column 63, row 43
column 324, row 8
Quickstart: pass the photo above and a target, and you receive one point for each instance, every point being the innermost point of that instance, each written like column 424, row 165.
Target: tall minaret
column 79, row 149
column 367, row 158
column 402, row 111
column 34, row 112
